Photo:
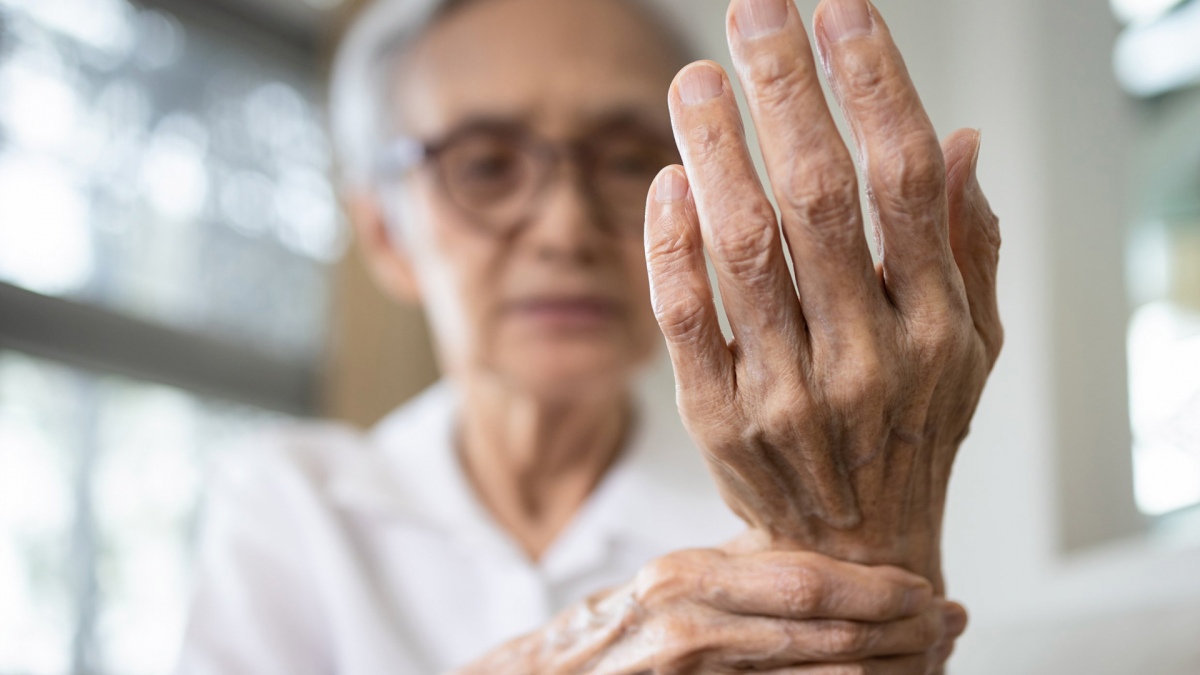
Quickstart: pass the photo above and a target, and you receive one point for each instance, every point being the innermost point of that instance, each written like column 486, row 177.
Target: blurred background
column 174, row 273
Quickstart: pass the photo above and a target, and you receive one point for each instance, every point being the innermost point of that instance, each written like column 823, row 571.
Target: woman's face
column 557, row 300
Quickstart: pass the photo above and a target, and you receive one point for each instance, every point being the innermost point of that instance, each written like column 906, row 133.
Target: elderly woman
column 532, row 513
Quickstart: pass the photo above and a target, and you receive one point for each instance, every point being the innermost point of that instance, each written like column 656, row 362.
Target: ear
column 387, row 261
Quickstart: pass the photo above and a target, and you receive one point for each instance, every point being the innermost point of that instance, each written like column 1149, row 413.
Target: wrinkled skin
column 832, row 419
column 738, row 609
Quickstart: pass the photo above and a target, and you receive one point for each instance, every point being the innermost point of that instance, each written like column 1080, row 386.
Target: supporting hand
column 742, row 609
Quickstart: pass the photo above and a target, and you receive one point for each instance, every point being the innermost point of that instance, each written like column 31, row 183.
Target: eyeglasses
column 496, row 173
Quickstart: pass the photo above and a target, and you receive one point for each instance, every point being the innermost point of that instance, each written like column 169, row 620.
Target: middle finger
column 810, row 168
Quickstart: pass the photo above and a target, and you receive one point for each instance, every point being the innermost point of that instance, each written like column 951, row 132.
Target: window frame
column 108, row 342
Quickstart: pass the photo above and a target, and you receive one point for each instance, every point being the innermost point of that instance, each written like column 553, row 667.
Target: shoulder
column 308, row 452
column 295, row 472
column 321, row 453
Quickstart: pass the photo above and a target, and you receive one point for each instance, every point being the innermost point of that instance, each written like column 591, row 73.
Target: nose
column 570, row 224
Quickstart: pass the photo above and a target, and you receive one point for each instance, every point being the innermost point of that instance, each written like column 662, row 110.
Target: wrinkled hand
column 832, row 419
column 735, row 609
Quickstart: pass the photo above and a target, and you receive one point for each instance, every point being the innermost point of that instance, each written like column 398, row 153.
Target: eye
column 483, row 170
column 482, row 158
column 636, row 163
column 489, row 166
column 630, row 155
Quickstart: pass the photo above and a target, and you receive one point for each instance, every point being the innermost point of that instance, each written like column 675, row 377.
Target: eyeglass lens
column 496, row 177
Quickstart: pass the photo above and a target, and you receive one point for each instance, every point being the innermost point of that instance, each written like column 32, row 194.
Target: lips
column 581, row 311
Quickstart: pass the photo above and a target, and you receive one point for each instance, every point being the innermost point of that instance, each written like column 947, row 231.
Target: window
column 1164, row 344
column 166, row 235
column 1156, row 60
column 99, row 493
column 162, row 168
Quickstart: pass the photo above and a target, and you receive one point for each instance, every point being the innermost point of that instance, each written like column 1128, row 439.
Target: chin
column 573, row 371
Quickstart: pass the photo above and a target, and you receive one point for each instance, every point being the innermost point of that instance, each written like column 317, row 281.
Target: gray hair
column 359, row 84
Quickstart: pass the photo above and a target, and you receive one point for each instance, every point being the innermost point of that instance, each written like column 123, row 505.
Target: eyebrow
column 635, row 117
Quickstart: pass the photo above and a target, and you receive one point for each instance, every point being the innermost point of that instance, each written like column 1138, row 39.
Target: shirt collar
column 410, row 470
column 658, row 494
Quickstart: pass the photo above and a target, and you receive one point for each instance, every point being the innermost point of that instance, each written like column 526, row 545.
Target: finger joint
column 912, row 176
column 825, row 201
column 848, row 640
column 748, row 252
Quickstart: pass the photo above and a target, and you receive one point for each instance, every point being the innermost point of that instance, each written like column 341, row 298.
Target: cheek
column 454, row 266
column 644, row 324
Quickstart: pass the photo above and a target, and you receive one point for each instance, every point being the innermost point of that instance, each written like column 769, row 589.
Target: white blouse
column 326, row 550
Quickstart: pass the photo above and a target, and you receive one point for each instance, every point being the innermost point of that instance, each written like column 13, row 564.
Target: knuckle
column 805, row 590
column 941, row 343
column 666, row 579
column 825, row 201
column 861, row 76
column 989, row 222
column 782, row 415
column 708, row 141
column 876, row 85
column 912, row 176
column 682, row 317
column 861, row 377
column 848, row 639
column 680, row 304
column 931, row 320
column 778, row 82
column 747, row 251
column 665, row 247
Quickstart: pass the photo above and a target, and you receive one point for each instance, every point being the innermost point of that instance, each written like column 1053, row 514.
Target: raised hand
column 832, row 418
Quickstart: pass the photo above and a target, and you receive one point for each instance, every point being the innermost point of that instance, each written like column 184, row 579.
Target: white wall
column 1053, row 426
column 1045, row 474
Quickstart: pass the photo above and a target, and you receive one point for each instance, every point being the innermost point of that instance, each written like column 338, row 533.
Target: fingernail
column 756, row 18
column 700, row 83
column 956, row 622
column 916, row 599
column 671, row 186
column 848, row 18
column 975, row 157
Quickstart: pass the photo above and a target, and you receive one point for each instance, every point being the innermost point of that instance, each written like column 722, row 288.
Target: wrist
column 917, row 550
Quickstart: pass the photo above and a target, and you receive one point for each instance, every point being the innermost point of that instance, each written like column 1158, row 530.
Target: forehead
column 556, row 64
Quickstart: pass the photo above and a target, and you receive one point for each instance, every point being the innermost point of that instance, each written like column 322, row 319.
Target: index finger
column 804, row 585
column 737, row 222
